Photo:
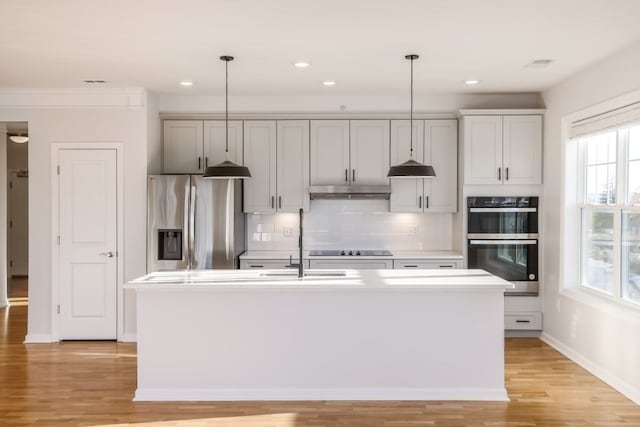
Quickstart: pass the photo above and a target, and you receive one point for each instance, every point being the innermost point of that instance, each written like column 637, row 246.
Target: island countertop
column 320, row 279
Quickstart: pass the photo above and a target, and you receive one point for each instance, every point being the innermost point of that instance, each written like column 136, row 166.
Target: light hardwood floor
column 92, row 383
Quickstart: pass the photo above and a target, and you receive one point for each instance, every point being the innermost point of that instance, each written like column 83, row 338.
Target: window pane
column 634, row 143
column 601, row 148
column 631, row 256
column 634, row 166
column 601, row 187
column 597, row 249
column 601, row 168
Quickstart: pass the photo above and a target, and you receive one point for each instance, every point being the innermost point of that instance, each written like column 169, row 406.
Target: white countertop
column 320, row 279
column 426, row 255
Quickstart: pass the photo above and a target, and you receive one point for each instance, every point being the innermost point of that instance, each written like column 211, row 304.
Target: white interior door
column 18, row 204
column 88, row 242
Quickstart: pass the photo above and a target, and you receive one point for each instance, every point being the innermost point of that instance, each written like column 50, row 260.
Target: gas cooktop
column 350, row 252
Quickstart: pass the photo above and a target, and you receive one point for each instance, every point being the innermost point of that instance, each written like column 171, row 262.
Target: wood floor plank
column 92, row 384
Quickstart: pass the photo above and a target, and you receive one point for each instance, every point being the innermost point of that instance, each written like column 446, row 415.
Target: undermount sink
column 306, row 274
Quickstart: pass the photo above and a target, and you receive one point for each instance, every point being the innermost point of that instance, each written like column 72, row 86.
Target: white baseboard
column 38, row 338
column 604, row 374
column 217, row 394
column 129, row 337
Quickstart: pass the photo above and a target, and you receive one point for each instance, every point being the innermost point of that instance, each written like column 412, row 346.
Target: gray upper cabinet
column 182, row 149
column 191, row 145
column 277, row 154
column 348, row 152
column 435, row 143
column 215, row 142
column 502, row 149
column 329, row 152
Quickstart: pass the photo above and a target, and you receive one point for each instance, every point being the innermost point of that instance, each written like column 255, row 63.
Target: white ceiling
column 359, row 43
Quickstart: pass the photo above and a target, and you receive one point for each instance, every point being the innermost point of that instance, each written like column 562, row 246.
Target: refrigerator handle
column 185, row 224
column 192, row 226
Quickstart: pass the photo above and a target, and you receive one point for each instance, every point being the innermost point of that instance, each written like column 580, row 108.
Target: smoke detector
column 539, row 63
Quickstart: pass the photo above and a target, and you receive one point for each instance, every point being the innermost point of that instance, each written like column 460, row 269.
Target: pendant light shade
column 411, row 168
column 226, row 169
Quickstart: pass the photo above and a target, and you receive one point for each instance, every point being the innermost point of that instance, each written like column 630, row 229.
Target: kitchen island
column 334, row 335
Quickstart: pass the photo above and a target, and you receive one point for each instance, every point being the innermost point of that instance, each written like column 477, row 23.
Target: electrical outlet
column 412, row 229
column 288, row 230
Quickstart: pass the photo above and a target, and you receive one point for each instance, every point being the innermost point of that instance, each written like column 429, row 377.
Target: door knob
column 108, row 254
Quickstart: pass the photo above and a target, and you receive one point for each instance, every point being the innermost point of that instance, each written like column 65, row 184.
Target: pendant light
column 411, row 168
column 226, row 169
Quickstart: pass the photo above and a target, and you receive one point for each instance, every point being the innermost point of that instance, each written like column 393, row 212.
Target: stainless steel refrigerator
column 193, row 223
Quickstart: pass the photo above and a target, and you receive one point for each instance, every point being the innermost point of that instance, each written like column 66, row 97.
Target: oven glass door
column 513, row 260
column 503, row 221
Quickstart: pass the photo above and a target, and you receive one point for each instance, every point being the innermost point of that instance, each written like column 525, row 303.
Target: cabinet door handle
column 523, row 321
column 420, row 202
column 499, row 174
column 199, row 162
column 280, row 202
column 256, row 266
column 206, row 162
column 506, row 171
column 354, row 175
column 273, row 202
column 426, row 202
column 446, row 266
column 346, row 175
column 410, row 266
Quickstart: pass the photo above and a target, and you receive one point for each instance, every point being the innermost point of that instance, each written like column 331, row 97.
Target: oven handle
column 503, row 209
column 503, row 242
column 502, row 236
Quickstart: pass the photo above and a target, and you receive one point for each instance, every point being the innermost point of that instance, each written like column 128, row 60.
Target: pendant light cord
column 226, row 109
column 411, row 120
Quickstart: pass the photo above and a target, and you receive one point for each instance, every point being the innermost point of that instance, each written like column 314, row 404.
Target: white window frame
column 574, row 199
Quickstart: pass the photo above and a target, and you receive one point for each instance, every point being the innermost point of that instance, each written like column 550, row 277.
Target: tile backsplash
column 340, row 224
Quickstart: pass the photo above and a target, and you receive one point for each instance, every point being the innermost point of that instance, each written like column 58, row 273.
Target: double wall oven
column 502, row 238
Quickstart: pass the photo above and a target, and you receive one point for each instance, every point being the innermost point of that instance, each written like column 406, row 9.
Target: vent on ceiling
column 539, row 63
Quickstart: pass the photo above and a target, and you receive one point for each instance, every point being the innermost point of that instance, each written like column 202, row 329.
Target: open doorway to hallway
column 17, row 208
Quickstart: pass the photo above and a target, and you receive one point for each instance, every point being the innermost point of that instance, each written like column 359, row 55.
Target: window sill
column 629, row 312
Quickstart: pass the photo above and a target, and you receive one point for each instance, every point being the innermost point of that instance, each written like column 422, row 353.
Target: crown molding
column 73, row 98
column 291, row 115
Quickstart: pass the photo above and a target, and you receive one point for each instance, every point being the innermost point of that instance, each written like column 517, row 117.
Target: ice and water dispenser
column 169, row 245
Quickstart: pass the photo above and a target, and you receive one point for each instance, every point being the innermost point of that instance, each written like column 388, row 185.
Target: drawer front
column 354, row 264
column 427, row 264
column 523, row 321
column 267, row 264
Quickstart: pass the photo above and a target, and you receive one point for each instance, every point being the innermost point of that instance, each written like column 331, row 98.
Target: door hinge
column 58, row 240
column 10, row 185
column 58, row 169
column 58, row 308
column 11, row 263
column 10, row 224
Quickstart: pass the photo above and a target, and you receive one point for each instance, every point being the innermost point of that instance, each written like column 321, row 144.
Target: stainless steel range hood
column 350, row 192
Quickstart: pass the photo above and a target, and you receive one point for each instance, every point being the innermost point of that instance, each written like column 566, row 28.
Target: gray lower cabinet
column 352, row 264
column 268, row 264
column 427, row 264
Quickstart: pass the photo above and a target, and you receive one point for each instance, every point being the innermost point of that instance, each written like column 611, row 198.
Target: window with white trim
column 608, row 148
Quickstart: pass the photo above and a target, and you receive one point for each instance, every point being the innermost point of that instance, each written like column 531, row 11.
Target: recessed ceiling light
column 471, row 82
column 95, row 81
column 301, row 64
column 186, row 83
column 329, row 82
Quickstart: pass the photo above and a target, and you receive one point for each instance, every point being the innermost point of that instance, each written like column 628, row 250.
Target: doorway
column 17, row 216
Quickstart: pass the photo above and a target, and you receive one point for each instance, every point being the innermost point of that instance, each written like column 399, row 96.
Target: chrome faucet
column 300, row 260
column 300, row 263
